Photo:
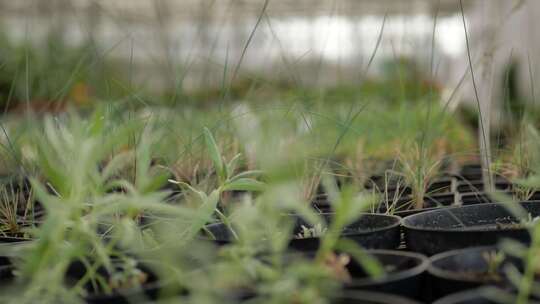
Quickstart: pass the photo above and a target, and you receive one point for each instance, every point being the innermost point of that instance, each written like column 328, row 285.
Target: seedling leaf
column 215, row 155
column 244, row 184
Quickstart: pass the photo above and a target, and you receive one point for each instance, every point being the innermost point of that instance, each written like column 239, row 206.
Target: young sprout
column 520, row 162
column 227, row 181
column 530, row 221
column 523, row 223
column 494, row 260
column 130, row 277
column 337, row 263
column 316, row 231
column 419, row 165
column 11, row 202
column 310, row 181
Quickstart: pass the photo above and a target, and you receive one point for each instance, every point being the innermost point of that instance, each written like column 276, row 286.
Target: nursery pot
column 467, row 226
column 441, row 185
column 473, row 198
column 13, row 240
column 468, row 186
column 404, row 274
column 372, row 231
column 431, row 202
column 146, row 293
column 365, row 297
column 382, row 181
column 476, row 296
column 393, row 189
column 458, row 270
column 472, row 171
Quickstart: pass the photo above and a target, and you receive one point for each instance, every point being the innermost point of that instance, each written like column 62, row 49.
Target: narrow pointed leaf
column 244, row 184
column 215, row 155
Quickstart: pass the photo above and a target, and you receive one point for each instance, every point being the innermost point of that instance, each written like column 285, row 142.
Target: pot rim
column 395, row 224
column 94, row 296
column 374, row 296
column 468, row 295
column 422, row 266
column 405, row 222
column 445, row 274
column 395, row 218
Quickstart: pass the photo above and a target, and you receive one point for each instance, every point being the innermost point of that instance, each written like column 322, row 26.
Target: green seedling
column 227, row 181
column 312, row 232
column 15, row 212
column 129, row 277
column 494, row 260
column 418, row 166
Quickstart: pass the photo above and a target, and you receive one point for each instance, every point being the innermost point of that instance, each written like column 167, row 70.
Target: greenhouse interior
column 269, row 151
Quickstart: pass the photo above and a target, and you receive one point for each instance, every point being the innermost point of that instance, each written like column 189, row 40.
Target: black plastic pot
column 476, row 296
column 404, row 276
column 364, row 297
column 396, row 191
column 441, row 185
column 431, row 202
column 6, row 274
column 403, row 206
column 371, row 231
column 458, row 270
column 382, row 181
column 468, row 226
column 21, row 184
column 19, row 237
column 8, row 239
column 148, row 292
column 321, row 203
column 478, row 186
column 472, row 171
column 535, row 196
column 474, row 198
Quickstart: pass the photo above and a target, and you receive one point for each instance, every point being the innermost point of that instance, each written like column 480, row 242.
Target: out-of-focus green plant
column 82, row 204
column 257, row 266
column 227, row 180
column 47, row 74
column 518, row 162
column 256, row 263
column 525, row 280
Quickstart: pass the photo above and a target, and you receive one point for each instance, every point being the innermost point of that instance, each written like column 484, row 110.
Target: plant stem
column 532, row 260
column 483, row 118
